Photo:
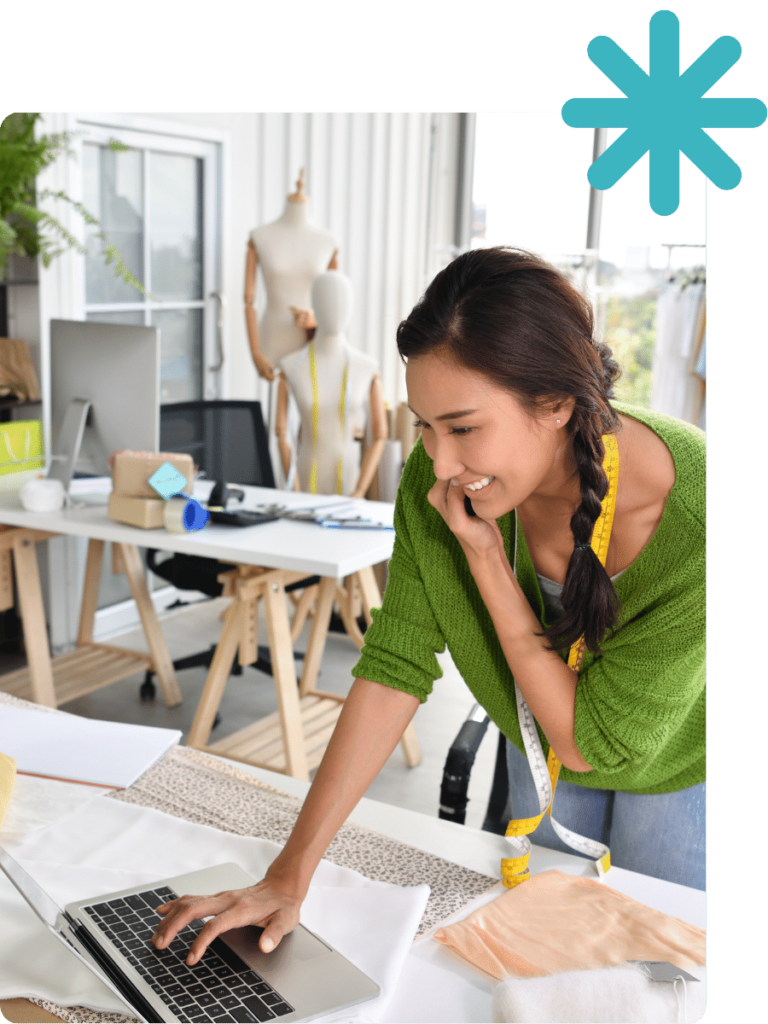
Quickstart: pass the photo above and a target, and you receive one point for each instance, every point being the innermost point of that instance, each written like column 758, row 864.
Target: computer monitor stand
column 66, row 448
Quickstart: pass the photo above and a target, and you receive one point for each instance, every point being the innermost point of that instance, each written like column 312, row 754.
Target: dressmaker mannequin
column 334, row 401
column 292, row 251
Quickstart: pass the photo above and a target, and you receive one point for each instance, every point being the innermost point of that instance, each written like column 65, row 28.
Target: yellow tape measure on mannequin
column 316, row 423
column 514, row 870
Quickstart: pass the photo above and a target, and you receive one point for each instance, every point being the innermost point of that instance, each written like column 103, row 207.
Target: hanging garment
column 679, row 317
column 700, row 371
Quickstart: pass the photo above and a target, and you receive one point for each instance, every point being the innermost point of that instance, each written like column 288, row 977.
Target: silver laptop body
column 302, row 979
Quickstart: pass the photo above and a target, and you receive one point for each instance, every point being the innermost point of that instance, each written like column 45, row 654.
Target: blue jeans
column 659, row 834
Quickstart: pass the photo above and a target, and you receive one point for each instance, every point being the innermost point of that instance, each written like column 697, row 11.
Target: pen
column 311, row 512
column 356, row 524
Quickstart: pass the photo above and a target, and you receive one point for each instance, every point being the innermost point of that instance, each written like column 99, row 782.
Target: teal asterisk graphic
column 664, row 112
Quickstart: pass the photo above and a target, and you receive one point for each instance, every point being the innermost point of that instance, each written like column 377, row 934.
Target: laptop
column 302, row 979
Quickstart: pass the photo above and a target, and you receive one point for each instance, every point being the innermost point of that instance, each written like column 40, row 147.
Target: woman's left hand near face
column 476, row 535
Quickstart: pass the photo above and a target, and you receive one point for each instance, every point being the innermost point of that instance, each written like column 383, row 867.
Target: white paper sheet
column 88, row 750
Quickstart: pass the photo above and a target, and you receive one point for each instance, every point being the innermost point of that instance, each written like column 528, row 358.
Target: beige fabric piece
column 556, row 922
column 7, row 781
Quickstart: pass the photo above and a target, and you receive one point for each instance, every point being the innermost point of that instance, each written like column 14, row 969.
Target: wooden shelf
column 87, row 668
column 261, row 744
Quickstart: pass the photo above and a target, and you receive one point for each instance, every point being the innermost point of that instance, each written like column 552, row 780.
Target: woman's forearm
column 546, row 682
column 371, row 724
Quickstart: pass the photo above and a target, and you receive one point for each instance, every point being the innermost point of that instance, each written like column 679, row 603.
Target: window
column 639, row 253
column 155, row 197
column 523, row 193
column 530, row 190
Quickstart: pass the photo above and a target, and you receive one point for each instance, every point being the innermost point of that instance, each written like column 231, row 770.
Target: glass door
column 156, row 198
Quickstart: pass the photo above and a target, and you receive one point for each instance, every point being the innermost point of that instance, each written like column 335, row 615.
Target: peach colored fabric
column 556, row 922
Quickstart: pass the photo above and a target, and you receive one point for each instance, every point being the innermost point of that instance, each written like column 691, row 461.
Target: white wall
column 383, row 184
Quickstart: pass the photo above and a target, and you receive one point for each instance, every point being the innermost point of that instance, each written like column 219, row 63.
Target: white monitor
column 115, row 367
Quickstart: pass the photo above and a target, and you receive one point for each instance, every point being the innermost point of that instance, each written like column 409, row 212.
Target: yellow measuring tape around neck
column 514, row 870
column 316, row 422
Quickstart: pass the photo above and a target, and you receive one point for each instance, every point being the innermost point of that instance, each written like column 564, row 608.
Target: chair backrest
column 226, row 439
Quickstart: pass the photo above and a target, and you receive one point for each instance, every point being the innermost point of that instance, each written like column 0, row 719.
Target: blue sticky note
column 167, row 481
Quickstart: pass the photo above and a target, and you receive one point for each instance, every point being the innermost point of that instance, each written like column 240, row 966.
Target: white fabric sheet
column 105, row 845
column 438, row 985
column 614, row 995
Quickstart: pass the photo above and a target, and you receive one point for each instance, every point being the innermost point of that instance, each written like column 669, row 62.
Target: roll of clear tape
column 42, row 495
column 183, row 515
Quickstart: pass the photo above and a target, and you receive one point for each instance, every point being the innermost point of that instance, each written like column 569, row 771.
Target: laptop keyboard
column 219, row 987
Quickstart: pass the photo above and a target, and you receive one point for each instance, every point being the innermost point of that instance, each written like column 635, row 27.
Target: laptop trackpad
column 298, row 946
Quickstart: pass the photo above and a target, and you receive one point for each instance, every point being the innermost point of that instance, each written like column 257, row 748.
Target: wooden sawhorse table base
column 54, row 681
column 294, row 738
column 262, row 743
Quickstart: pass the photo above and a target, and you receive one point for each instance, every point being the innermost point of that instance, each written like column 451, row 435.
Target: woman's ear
column 561, row 411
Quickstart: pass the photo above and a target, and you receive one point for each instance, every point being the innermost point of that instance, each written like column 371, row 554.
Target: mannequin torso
column 336, row 388
column 291, row 255
column 291, row 251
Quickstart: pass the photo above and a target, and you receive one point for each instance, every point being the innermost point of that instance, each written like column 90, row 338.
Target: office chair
column 228, row 441
column 457, row 770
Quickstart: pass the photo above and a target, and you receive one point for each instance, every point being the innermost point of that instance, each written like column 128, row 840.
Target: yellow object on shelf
column 7, row 781
column 21, row 446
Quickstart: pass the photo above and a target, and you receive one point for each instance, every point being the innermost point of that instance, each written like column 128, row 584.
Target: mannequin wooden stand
column 54, row 681
column 294, row 738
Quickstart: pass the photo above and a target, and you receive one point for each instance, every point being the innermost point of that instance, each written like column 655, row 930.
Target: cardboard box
column 144, row 512
column 131, row 471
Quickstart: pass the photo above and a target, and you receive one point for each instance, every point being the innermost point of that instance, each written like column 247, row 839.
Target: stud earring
column 558, row 423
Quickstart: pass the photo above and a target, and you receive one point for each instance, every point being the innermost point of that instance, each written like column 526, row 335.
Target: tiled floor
column 251, row 695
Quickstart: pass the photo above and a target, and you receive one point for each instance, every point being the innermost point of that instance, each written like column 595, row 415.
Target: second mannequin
column 337, row 389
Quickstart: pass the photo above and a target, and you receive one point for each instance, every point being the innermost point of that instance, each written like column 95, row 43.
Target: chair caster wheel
column 147, row 689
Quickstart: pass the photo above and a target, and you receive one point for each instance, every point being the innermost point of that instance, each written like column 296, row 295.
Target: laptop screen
column 40, row 901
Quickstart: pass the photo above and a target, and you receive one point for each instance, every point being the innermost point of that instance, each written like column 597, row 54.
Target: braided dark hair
column 511, row 316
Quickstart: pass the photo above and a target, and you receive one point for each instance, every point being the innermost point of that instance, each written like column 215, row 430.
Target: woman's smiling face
column 480, row 437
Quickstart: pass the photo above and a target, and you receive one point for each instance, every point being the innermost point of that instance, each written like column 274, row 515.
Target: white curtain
column 678, row 363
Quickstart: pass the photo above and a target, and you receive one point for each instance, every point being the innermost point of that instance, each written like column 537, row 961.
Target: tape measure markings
column 316, row 422
column 545, row 775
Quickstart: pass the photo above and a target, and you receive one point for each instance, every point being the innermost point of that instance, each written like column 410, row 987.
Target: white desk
column 435, row 984
column 281, row 552
column 284, row 544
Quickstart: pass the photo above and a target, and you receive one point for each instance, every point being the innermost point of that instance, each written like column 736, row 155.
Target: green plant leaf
column 25, row 228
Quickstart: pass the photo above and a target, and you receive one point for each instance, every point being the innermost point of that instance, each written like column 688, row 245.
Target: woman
column 512, row 396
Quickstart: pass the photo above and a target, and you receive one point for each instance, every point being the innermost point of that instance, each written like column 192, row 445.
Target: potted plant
column 25, row 229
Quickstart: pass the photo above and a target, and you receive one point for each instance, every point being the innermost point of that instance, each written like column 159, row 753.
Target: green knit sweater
column 640, row 705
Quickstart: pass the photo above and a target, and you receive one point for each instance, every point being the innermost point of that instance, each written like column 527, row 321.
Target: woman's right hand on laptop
column 270, row 904
column 372, row 722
